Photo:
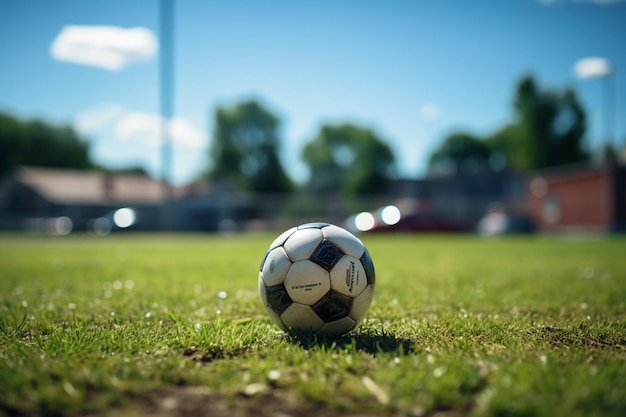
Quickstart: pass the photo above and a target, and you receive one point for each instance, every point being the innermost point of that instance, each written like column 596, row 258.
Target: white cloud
column 139, row 126
column 108, row 47
column 98, row 118
column 184, row 133
column 429, row 112
column 114, row 121
column 592, row 67
column 148, row 127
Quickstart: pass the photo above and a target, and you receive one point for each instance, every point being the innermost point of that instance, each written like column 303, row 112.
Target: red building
column 578, row 199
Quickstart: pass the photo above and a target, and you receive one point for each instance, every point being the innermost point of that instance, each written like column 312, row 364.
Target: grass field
column 173, row 325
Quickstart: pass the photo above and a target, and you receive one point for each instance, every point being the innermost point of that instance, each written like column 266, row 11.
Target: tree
column 548, row 130
column 348, row 159
column 460, row 153
column 245, row 149
column 37, row 143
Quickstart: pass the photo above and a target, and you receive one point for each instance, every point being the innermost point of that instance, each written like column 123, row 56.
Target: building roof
column 67, row 186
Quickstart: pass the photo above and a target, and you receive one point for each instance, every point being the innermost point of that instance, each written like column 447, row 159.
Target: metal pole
column 611, row 108
column 166, row 87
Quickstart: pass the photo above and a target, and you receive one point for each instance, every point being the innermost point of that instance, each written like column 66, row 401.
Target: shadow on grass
column 371, row 343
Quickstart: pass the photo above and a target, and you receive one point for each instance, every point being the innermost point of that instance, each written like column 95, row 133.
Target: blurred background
column 433, row 116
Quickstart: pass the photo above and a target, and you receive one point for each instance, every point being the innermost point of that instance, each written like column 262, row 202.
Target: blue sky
column 414, row 71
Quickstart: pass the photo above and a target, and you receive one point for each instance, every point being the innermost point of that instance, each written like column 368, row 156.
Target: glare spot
column 101, row 226
column 396, row 360
column 62, row 226
column 390, row 215
column 538, row 187
column 69, row 389
column 255, row 389
column 129, row 283
column 24, row 303
column 108, row 294
column 197, row 327
column 71, row 306
column 117, row 285
column 222, row 295
column 438, row 372
column 112, row 313
column 124, row 217
column 273, row 375
column 364, row 221
column 148, row 315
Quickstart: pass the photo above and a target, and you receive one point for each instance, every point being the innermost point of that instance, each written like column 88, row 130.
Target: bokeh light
column 390, row 215
column 124, row 217
column 364, row 221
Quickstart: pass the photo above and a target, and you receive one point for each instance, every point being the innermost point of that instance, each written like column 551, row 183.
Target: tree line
column 547, row 129
column 38, row 143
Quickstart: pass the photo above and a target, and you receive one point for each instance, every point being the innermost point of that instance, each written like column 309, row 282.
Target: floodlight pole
column 166, row 87
column 610, row 106
column 602, row 69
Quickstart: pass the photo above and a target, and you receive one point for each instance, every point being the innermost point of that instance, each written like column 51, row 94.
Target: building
column 458, row 201
column 35, row 198
column 574, row 198
column 578, row 198
column 57, row 201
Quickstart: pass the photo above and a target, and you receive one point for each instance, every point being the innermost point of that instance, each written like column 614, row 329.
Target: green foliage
column 461, row 153
column 548, row 130
column 157, row 325
column 37, row 143
column 348, row 159
column 245, row 148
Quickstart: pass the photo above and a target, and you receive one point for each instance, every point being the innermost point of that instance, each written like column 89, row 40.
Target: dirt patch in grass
column 557, row 336
column 200, row 401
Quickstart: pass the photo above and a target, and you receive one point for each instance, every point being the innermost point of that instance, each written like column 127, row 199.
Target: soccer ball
column 317, row 278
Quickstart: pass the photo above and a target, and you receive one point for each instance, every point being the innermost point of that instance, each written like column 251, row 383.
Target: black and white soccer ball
column 317, row 278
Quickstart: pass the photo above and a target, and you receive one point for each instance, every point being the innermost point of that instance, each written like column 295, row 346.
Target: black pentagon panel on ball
column 327, row 254
column 368, row 264
column 278, row 299
column 313, row 225
column 333, row 306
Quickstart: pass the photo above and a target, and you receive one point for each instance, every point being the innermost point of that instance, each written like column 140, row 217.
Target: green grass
column 458, row 326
